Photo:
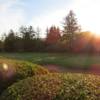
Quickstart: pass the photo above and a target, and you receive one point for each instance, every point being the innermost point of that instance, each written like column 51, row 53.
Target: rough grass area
column 17, row 70
column 55, row 87
column 64, row 60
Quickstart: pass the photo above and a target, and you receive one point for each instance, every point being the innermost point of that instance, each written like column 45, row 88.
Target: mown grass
column 64, row 60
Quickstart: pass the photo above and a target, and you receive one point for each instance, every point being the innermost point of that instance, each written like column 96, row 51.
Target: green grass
column 64, row 60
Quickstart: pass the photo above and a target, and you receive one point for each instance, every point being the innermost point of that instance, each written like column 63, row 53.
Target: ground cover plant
column 12, row 71
column 55, row 87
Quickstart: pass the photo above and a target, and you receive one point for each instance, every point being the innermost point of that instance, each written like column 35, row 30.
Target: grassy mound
column 12, row 71
column 55, row 87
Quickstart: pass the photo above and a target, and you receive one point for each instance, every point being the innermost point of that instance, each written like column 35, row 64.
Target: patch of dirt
column 53, row 68
column 94, row 69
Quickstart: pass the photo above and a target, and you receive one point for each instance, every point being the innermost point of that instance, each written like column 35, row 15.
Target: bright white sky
column 44, row 13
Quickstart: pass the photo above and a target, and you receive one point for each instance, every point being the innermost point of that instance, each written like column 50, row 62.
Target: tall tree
column 53, row 35
column 53, row 38
column 28, row 34
column 9, row 42
column 71, row 28
column 38, row 32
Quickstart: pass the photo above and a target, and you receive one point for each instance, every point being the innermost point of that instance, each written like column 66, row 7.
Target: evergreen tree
column 71, row 28
column 9, row 42
column 28, row 34
column 53, row 35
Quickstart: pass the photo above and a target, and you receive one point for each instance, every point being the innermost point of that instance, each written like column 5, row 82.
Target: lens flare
column 5, row 66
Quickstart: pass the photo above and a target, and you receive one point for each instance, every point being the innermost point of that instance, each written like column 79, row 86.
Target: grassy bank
column 64, row 60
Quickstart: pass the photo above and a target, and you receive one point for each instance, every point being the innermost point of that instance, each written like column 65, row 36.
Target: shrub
column 12, row 71
column 55, row 87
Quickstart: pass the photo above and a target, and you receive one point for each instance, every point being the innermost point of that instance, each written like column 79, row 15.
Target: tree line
column 70, row 39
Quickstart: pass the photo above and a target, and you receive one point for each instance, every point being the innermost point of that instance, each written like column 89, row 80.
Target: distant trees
column 27, row 34
column 53, row 35
column 9, row 43
column 53, row 38
column 70, row 39
column 26, row 40
column 84, row 42
column 38, row 32
column 1, row 46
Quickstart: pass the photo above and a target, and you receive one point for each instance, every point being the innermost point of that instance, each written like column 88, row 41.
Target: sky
column 45, row 13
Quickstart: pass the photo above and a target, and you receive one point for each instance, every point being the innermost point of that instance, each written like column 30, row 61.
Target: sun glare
column 95, row 31
column 97, row 34
column 5, row 66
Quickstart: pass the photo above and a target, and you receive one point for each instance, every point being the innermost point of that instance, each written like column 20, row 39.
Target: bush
column 55, row 87
column 12, row 71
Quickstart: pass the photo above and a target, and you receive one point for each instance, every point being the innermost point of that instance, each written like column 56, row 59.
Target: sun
column 95, row 31
column 97, row 34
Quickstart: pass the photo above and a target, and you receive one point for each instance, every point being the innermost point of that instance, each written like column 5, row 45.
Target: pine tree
column 71, row 28
column 53, row 35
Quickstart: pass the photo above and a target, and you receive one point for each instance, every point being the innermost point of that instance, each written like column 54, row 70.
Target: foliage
column 26, row 40
column 84, row 43
column 55, row 87
column 70, row 39
column 53, row 35
column 71, row 29
column 52, row 39
column 17, row 70
column 1, row 45
column 9, row 44
column 27, row 37
column 70, row 24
